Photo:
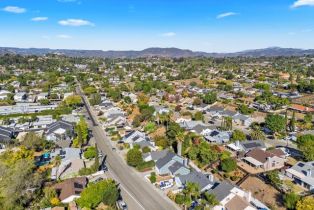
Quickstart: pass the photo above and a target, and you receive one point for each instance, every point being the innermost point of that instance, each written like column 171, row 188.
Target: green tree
column 33, row 142
column 308, row 118
column 238, row 135
column 198, row 116
column 192, row 191
column 73, row 101
column 90, row 90
column 105, row 191
column 211, row 199
column 276, row 123
column 180, row 199
column 290, row 200
column 244, row 109
column 273, row 177
column 306, row 203
column 17, row 176
column 228, row 165
column 306, row 145
column 210, row 98
column 150, row 127
column 90, row 153
column 95, row 99
column 226, row 123
column 44, row 102
column 134, row 157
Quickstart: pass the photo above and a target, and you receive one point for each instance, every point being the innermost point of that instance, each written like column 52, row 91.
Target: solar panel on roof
column 251, row 145
column 78, row 186
column 300, row 164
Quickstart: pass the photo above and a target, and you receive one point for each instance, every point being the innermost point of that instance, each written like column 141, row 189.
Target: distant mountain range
column 157, row 52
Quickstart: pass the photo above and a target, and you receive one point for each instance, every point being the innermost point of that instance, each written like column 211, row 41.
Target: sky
column 198, row 25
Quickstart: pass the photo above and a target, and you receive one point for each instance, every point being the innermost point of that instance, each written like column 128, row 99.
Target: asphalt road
column 137, row 193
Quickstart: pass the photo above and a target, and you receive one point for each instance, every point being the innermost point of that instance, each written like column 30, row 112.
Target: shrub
column 228, row 165
column 90, row 153
column 180, row 199
column 152, row 177
column 134, row 157
column 146, row 149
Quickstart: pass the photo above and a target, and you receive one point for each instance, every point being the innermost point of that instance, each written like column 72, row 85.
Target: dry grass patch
column 263, row 192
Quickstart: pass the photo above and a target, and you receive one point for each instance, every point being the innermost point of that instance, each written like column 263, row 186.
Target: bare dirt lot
column 265, row 193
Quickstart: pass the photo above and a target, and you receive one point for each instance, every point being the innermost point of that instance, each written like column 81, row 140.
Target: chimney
column 186, row 162
column 248, row 196
column 309, row 173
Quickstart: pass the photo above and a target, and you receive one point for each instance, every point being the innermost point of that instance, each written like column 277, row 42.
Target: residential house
column 117, row 119
column 155, row 155
column 301, row 108
column 138, row 138
column 245, row 146
column 161, row 110
column 266, row 160
column 70, row 189
column 215, row 111
column 6, row 135
column 25, row 108
column 231, row 197
column 42, row 122
column 205, row 182
column 302, row 174
column 60, row 130
column 41, row 96
column 70, row 165
column 243, row 120
column 20, row 97
column 4, row 94
column 218, row 137
column 172, row 164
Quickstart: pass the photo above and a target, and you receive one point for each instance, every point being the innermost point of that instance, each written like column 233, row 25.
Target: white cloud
column 168, row 34
column 38, row 19
column 75, row 22
column 64, row 36
column 226, row 14
column 300, row 3
column 14, row 9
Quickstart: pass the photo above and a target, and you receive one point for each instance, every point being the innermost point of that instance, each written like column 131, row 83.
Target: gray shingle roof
column 175, row 167
column 60, row 124
column 196, row 177
column 222, row 190
column 6, row 134
column 163, row 161
column 156, row 155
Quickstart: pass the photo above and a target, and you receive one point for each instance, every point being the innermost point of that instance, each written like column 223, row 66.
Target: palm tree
column 192, row 190
column 180, row 138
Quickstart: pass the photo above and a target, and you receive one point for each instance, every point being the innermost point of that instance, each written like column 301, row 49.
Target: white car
column 165, row 185
column 122, row 205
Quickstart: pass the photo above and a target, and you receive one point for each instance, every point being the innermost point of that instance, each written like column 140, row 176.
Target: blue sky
column 200, row 25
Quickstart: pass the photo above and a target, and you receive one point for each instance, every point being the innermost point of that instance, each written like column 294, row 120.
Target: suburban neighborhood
column 207, row 139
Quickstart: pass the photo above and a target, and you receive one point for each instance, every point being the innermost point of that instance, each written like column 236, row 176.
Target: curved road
column 145, row 195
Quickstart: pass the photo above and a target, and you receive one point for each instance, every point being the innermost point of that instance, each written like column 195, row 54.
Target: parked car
column 122, row 205
column 165, row 185
column 104, row 168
